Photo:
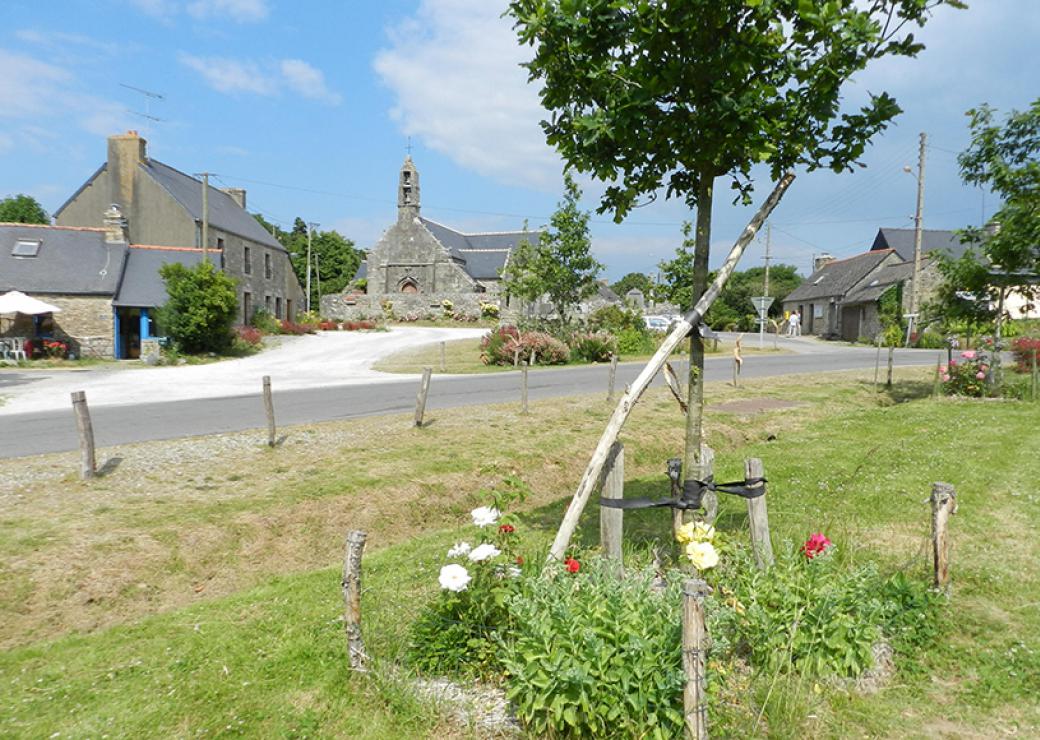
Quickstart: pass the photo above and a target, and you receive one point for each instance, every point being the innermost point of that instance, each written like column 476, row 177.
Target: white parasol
column 18, row 302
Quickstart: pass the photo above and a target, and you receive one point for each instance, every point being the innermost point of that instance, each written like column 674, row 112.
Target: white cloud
column 242, row 11
column 308, row 81
column 454, row 69
column 232, row 76
column 61, row 40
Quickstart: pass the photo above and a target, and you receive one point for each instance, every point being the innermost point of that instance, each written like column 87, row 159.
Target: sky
column 311, row 107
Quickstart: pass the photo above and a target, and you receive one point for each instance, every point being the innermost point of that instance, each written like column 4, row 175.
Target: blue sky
column 309, row 106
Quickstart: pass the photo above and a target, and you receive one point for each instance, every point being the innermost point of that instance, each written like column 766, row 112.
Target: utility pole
column 769, row 257
column 205, row 216
column 915, row 295
column 310, row 231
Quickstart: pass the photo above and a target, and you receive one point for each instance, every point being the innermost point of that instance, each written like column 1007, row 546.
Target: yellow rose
column 686, row 532
column 702, row 554
column 704, row 532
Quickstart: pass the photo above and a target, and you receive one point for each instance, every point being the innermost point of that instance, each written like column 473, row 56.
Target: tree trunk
column 692, row 463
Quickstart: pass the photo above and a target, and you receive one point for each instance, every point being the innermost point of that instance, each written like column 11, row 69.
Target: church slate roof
column 838, row 277
column 483, row 255
column 902, row 241
column 70, row 260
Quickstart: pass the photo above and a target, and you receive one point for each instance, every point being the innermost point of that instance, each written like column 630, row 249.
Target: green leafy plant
column 966, row 376
column 593, row 346
column 635, row 342
column 201, row 307
column 264, row 320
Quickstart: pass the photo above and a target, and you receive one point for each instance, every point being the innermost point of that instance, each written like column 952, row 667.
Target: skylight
column 26, row 248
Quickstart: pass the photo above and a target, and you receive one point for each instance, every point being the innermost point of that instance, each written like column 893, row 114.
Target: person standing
column 794, row 325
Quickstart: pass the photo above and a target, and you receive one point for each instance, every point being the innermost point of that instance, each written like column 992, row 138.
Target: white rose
column 484, row 552
column 460, row 549
column 703, row 555
column 454, row 577
column 485, row 516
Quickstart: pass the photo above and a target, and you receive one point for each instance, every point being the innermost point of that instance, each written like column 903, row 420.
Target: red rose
column 572, row 565
column 815, row 545
column 519, row 560
column 507, row 529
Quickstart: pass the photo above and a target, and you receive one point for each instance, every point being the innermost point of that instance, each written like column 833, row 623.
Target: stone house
column 164, row 207
column 107, row 289
column 417, row 264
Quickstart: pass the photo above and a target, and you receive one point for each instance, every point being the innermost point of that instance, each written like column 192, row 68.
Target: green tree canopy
column 22, row 209
column 201, row 307
column 560, row 265
column 634, row 281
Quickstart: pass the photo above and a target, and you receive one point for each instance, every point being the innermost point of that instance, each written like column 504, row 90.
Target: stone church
column 418, row 263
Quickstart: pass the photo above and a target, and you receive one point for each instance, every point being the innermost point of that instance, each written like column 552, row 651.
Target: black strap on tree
column 692, row 493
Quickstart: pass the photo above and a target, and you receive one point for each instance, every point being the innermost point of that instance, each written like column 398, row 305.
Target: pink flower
column 943, row 370
column 946, row 378
column 953, row 363
column 817, row 544
column 980, row 375
column 984, row 367
column 969, row 355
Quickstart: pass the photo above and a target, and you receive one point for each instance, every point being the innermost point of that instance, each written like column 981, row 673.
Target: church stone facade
column 418, row 264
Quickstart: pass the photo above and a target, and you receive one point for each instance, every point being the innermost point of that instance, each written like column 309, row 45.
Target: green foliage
column 592, row 655
column 633, row 341
column 677, row 273
column 561, row 265
column 201, row 308
column 265, row 321
column 613, row 319
column 22, row 209
column 500, row 347
column 890, row 315
column 634, row 281
column 593, row 346
column 962, row 376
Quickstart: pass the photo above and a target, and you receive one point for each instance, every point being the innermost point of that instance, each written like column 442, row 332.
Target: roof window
column 26, row 248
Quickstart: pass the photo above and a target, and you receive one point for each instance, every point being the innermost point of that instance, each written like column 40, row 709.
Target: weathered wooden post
column 87, row 461
column 1034, row 378
column 611, row 521
column 891, row 356
column 710, row 500
column 444, row 358
column 694, row 648
column 877, row 364
column 673, row 385
column 758, row 515
column 352, row 599
column 938, row 375
column 516, row 357
column 420, row 401
column 675, row 477
column 523, row 388
column 534, row 357
column 613, row 376
column 737, row 361
column 944, row 503
column 269, row 408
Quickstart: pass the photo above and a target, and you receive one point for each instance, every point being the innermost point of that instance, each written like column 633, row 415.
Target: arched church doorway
column 408, row 285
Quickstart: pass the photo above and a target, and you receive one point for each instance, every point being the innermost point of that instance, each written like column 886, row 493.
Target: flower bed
column 501, row 346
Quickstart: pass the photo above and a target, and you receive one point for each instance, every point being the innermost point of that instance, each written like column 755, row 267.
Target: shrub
column 55, row 349
column 447, row 307
column 249, row 334
column 966, row 376
column 201, row 307
column 497, row 347
column 635, row 342
column 291, row 327
column 593, row 347
column 489, row 310
column 545, row 349
column 388, row 308
column 1026, row 351
column 930, row 340
column 264, row 321
column 326, row 325
column 614, row 319
column 363, row 324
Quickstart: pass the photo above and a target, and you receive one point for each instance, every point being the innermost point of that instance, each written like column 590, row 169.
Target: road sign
column 762, row 303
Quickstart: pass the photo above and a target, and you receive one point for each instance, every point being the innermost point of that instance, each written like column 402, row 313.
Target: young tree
column 651, row 95
column 22, row 209
column 561, row 265
column 201, row 307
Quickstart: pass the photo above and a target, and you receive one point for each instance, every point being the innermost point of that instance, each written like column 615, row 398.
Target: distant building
column 163, row 207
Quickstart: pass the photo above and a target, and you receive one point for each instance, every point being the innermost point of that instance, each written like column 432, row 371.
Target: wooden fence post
column 523, row 388
column 694, row 645
column 420, row 401
column 938, row 377
column 758, row 516
column 1034, row 379
column 944, row 503
column 891, row 357
column 444, row 358
column 611, row 521
column 87, row 461
column 352, row 599
column 711, row 499
column 613, row 376
column 269, row 408
column 877, row 364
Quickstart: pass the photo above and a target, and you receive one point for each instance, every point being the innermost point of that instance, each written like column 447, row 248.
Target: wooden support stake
column 534, row 357
column 590, row 478
column 936, row 386
column 877, row 364
column 269, row 408
column 944, row 503
column 675, row 476
column 87, row 461
column 613, row 376
column 694, row 658
column 1034, row 381
column 737, row 360
column 710, row 501
column 444, row 357
column 611, row 521
column 523, row 388
column 758, row 517
column 516, row 357
column 891, row 356
column 352, row 599
column 673, row 385
column 420, row 401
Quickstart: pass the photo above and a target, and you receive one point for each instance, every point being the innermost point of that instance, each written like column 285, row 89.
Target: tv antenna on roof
column 149, row 96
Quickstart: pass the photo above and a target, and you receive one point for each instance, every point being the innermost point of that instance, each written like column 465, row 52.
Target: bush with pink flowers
column 966, row 375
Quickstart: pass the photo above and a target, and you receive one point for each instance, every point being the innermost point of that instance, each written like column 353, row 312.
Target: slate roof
column 873, row 286
column 70, row 260
column 224, row 211
column 838, row 277
column 362, row 271
column 483, row 255
column 142, row 286
column 902, row 241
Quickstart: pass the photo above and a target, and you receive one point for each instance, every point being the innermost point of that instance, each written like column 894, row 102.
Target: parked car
column 657, row 323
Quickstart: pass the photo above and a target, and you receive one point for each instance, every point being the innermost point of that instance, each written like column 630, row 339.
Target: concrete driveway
column 311, row 361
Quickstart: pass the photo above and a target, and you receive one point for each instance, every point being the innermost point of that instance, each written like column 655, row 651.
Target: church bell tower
column 408, row 191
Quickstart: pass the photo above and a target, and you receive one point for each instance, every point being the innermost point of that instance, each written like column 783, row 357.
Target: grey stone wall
column 85, row 323
column 282, row 283
column 344, row 306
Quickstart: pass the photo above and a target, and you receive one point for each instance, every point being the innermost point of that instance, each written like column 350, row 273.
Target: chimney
column 238, row 195
column 115, row 226
column 822, row 259
column 125, row 153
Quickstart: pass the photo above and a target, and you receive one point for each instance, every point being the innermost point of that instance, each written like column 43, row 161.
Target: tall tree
column 22, row 209
column 634, row 281
column 669, row 94
column 560, row 265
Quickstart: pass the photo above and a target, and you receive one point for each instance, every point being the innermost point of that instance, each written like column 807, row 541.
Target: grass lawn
column 462, row 356
column 194, row 590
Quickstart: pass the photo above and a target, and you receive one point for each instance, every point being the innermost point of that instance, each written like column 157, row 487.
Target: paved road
column 54, row 430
